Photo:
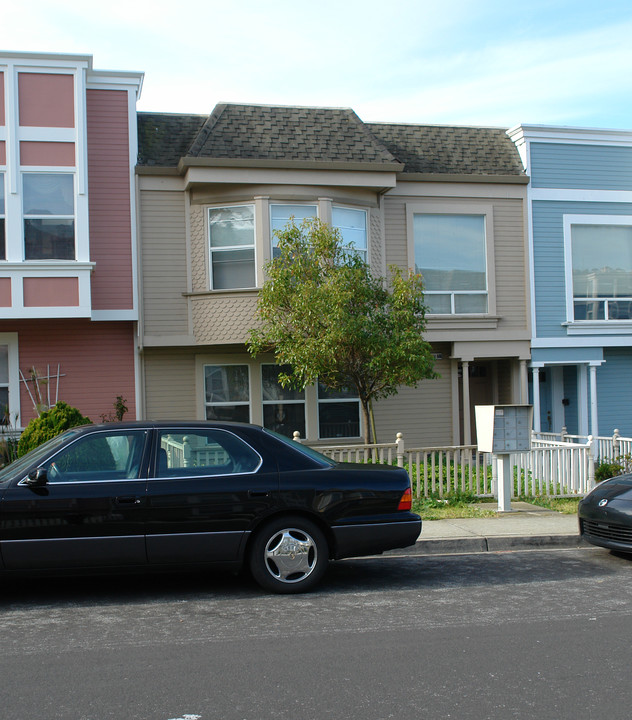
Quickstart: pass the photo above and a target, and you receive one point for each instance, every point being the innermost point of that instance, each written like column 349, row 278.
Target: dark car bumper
column 355, row 540
column 609, row 526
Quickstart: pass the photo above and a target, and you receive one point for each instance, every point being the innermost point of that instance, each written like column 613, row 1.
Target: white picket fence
column 552, row 467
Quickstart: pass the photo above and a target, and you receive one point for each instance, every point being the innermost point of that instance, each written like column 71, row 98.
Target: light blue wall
column 548, row 258
column 581, row 166
column 614, row 392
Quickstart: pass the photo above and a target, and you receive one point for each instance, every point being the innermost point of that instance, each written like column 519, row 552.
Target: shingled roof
column 260, row 132
column 445, row 150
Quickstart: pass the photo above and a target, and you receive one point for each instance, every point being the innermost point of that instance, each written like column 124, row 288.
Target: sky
column 461, row 62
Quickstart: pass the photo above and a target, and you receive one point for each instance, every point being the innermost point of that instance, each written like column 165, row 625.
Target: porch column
column 467, row 426
column 594, row 415
column 582, row 399
column 454, row 376
column 524, row 393
column 536, row 399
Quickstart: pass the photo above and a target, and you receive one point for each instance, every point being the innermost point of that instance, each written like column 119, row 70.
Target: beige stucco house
column 448, row 201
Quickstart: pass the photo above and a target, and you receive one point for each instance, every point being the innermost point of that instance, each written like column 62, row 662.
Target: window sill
column 469, row 322
column 211, row 293
column 598, row 327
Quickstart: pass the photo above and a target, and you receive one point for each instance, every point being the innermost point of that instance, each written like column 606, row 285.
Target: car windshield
column 18, row 466
column 304, row 449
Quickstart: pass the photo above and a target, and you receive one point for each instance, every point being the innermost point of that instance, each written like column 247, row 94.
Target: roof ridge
column 206, row 130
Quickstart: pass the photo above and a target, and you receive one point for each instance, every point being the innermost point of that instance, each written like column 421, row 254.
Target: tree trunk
column 367, row 419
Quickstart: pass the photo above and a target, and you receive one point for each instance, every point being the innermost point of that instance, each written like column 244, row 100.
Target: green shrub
column 49, row 424
column 607, row 470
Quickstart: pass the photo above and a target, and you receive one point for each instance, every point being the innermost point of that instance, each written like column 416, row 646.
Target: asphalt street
column 529, row 634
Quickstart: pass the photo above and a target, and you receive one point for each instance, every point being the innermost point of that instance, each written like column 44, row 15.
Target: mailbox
column 503, row 429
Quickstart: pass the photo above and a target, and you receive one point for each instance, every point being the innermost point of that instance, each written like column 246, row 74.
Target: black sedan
column 605, row 514
column 157, row 495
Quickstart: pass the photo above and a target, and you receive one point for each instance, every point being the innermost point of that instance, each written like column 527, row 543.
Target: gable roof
column 446, row 150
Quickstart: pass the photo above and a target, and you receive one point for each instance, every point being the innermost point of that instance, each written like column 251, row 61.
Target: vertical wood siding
column 595, row 167
column 164, row 259
column 109, row 199
column 96, row 360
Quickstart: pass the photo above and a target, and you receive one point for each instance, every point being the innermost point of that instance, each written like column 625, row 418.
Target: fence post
column 591, row 464
column 399, row 443
column 296, row 436
column 563, row 433
column 616, row 445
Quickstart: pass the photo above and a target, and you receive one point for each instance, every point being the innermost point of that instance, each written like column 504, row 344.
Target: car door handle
column 128, row 500
column 258, row 493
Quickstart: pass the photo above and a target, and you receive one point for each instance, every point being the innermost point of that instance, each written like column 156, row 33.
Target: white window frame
column 231, row 403
column 328, row 401
column 485, row 210
column 50, row 171
column 211, row 251
column 587, row 325
column 11, row 341
column 364, row 253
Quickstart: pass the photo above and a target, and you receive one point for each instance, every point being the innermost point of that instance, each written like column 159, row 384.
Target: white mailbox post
column 501, row 430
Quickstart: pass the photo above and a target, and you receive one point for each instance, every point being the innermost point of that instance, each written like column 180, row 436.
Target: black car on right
column 605, row 514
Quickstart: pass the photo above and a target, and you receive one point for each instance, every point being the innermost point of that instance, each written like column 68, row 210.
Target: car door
column 87, row 511
column 208, row 488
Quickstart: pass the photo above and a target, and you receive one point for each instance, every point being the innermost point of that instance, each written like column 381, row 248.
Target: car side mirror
column 37, row 477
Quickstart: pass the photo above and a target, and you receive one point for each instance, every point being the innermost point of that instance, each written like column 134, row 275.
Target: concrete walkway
column 526, row 526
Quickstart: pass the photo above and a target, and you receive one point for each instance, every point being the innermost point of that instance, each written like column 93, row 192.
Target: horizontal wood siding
column 595, row 167
column 614, row 392
column 169, row 384
column 395, row 231
column 423, row 414
column 510, row 265
column 548, row 258
column 96, row 360
column 110, row 199
column 164, row 259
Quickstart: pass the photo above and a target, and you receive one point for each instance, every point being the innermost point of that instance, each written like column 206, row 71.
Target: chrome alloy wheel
column 291, row 555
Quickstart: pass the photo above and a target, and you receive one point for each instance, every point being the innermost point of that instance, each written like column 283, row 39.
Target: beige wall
column 170, row 391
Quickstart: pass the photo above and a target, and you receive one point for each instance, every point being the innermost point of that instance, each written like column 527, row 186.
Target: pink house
column 68, row 294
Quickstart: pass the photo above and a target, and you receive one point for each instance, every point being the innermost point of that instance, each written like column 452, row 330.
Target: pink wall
column 96, row 359
column 51, row 292
column 109, row 199
column 47, row 153
column 46, row 100
column 5, row 292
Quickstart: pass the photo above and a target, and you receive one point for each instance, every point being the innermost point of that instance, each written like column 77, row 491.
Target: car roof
column 176, row 424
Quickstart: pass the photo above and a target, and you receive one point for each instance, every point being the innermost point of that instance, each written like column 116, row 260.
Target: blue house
column 580, row 252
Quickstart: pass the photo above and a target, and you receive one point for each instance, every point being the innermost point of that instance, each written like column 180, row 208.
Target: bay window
column 227, row 392
column 450, row 253
column 48, row 206
column 601, row 270
column 352, row 226
column 232, row 247
column 280, row 216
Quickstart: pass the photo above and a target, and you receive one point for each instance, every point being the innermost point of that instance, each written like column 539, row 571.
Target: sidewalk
column 525, row 527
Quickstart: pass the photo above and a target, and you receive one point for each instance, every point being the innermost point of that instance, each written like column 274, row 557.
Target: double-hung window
column 232, row 247
column 601, row 268
column 49, row 216
column 283, row 408
column 227, row 392
column 352, row 226
column 280, row 216
column 450, row 253
column 338, row 412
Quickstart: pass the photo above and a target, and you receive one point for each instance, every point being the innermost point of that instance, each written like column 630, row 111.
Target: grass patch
column 452, row 505
column 568, row 506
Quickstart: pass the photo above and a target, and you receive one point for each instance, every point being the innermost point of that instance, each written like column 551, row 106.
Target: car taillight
column 406, row 501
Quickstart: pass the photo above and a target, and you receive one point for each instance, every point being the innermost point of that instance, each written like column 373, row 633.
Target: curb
column 469, row 545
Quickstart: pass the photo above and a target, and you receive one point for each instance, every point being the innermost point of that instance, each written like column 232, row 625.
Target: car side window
column 204, row 452
column 99, row 456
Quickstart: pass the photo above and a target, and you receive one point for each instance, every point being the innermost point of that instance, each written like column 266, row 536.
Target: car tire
column 289, row 555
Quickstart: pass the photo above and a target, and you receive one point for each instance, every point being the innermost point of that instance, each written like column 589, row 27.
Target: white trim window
column 227, row 392
column 599, row 268
column 280, row 216
column 283, row 408
column 232, row 247
column 48, row 207
column 3, row 240
column 450, row 251
column 9, row 380
column 352, row 224
column 338, row 413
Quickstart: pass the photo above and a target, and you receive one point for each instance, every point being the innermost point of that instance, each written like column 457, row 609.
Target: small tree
column 49, row 424
column 326, row 315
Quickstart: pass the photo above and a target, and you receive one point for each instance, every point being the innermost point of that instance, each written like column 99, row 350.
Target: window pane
column 619, row 310
column 233, row 269
column 270, row 387
column 226, row 383
column 595, row 310
column 346, row 391
column 49, row 239
column 339, row 419
column 4, row 364
column 470, row 304
column 280, row 216
column 285, row 418
column 1, row 193
column 48, row 194
column 232, row 226
column 228, row 413
column 438, row 304
column 450, row 251
column 352, row 226
column 198, row 452
column 602, row 260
